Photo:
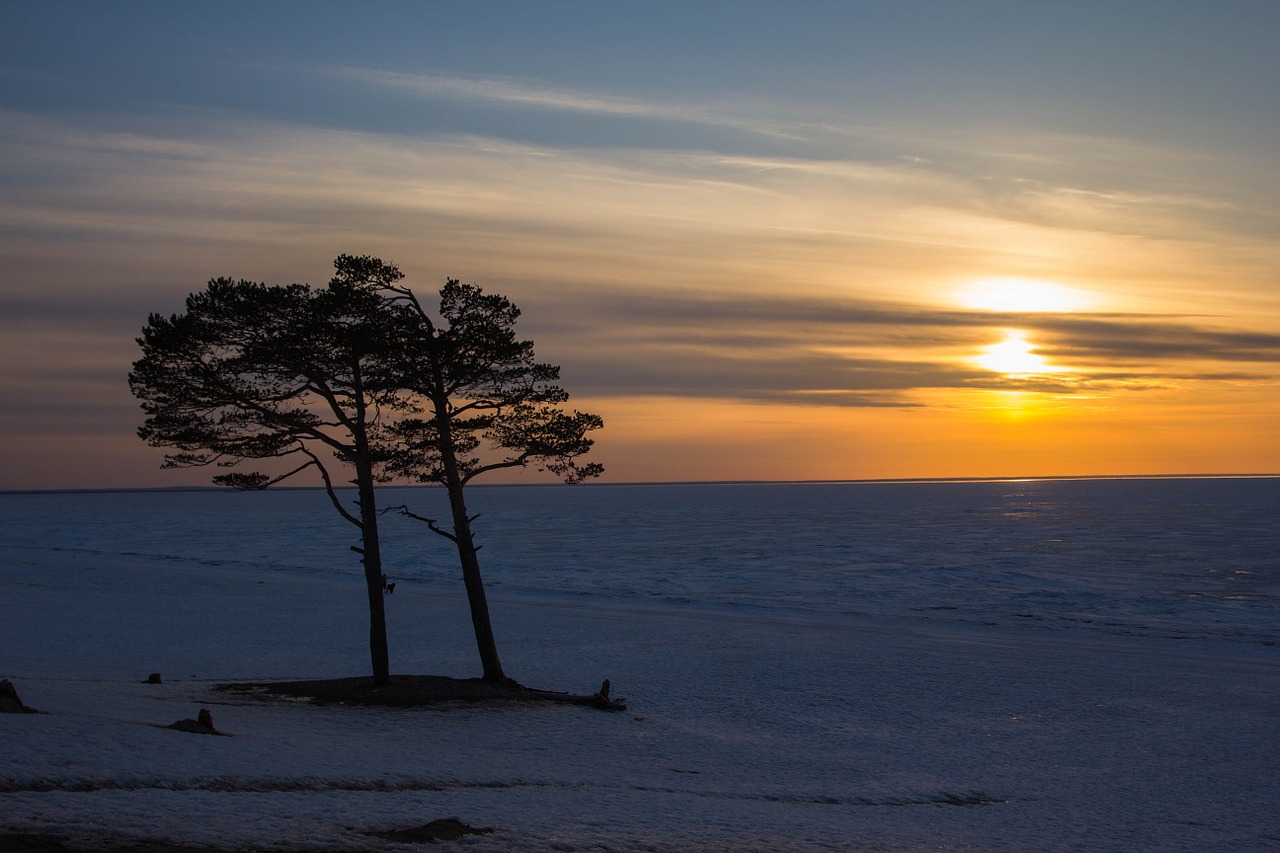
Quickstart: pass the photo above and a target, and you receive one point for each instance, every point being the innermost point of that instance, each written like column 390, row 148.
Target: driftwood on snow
column 600, row 699
column 201, row 725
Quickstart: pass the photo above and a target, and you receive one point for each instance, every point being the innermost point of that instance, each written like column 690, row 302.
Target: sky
column 765, row 241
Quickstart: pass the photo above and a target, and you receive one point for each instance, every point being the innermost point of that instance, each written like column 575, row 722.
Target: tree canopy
column 483, row 391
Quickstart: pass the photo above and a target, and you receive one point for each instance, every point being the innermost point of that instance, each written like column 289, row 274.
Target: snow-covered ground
column 943, row 725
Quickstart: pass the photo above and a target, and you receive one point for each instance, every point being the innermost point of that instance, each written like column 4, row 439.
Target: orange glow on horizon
column 952, row 434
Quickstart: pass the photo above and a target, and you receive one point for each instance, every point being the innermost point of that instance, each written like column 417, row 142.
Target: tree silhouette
column 488, row 406
column 254, row 372
column 361, row 374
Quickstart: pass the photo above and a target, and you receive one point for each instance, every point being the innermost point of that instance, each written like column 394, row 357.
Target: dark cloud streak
column 855, row 352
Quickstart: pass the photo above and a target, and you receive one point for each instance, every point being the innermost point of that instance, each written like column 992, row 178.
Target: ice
column 915, row 667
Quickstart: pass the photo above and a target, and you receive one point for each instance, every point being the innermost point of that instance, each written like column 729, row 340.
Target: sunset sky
column 765, row 241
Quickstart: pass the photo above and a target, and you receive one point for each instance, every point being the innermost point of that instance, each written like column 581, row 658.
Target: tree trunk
column 453, row 483
column 485, row 643
column 371, row 556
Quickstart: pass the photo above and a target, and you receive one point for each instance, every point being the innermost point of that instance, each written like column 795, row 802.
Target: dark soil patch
column 408, row 691
column 447, row 829
column 18, row 842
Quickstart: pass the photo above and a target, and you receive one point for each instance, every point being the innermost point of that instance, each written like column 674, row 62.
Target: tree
column 253, row 372
column 360, row 373
column 488, row 406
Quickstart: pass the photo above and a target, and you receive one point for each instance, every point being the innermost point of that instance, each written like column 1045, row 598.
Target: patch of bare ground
column 444, row 829
column 18, row 842
column 408, row 691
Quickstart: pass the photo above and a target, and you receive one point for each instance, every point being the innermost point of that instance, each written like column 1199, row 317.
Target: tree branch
column 430, row 522
column 328, row 488
column 519, row 462
column 258, row 482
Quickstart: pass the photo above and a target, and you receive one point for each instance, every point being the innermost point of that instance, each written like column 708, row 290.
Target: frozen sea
column 1014, row 665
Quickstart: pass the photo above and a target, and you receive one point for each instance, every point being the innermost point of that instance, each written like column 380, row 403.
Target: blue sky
column 751, row 232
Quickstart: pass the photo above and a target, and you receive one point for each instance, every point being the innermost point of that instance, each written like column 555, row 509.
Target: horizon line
column 813, row 482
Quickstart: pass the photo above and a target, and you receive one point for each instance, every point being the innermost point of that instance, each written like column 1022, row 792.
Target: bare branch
column 328, row 489
column 430, row 522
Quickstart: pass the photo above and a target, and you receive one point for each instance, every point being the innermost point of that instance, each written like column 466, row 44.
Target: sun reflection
column 1022, row 296
column 1014, row 356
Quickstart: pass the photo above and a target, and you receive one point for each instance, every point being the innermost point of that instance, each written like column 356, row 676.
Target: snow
column 994, row 700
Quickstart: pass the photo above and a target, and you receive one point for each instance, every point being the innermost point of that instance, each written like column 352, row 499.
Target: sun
column 1014, row 356
column 1022, row 296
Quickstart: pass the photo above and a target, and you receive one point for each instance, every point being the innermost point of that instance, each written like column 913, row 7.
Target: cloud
column 1113, row 340
column 505, row 90
column 815, row 276
column 526, row 97
column 856, row 352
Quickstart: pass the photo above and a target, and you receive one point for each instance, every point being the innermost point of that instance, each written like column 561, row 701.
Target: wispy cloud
column 504, row 90
column 529, row 94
